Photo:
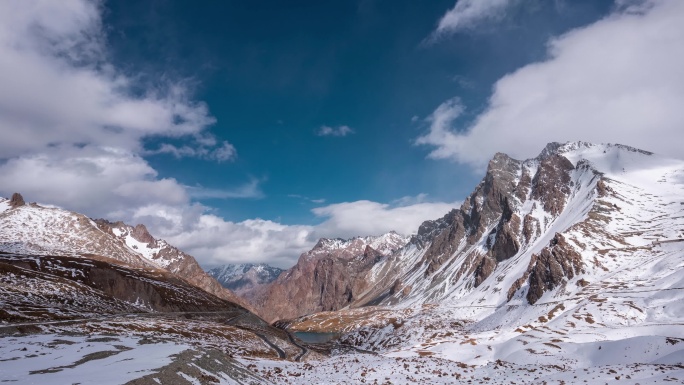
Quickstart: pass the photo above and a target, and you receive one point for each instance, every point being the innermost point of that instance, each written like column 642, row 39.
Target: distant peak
column 16, row 200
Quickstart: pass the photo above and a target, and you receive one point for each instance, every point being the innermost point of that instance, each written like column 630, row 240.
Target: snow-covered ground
column 355, row 369
column 98, row 359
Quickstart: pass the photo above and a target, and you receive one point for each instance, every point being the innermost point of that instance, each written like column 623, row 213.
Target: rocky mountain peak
column 550, row 149
column 332, row 275
column 141, row 234
column 16, row 200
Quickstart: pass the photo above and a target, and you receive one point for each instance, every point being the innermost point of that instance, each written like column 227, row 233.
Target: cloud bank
column 350, row 219
column 59, row 88
column 617, row 80
column 216, row 241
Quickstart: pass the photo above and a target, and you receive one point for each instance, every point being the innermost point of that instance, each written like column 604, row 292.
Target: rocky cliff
column 525, row 229
column 330, row 276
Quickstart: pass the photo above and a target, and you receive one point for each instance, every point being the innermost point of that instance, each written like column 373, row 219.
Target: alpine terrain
column 78, row 295
column 565, row 268
column 328, row 277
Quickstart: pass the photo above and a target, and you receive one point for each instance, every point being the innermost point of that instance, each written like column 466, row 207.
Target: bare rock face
column 552, row 183
column 550, row 268
column 141, row 234
column 490, row 203
column 329, row 277
column 468, row 244
column 16, row 200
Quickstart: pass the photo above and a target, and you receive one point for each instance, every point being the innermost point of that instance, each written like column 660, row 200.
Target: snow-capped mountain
column 328, row 277
column 242, row 279
column 35, row 229
column 573, row 258
column 534, row 227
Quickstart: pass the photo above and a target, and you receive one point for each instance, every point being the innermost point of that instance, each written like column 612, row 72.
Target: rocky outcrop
column 486, row 205
column 141, row 234
column 330, row 276
column 16, row 201
column 552, row 183
column 556, row 264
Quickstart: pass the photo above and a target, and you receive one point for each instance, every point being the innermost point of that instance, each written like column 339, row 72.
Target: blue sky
column 243, row 131
column 274, row 73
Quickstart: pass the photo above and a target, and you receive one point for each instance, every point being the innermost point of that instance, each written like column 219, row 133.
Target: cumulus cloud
column 58, row 88
column 617, row 80
column 97, row 181
column 214, row 240
column 468, row 14
column 364, row 217
column 334, row 131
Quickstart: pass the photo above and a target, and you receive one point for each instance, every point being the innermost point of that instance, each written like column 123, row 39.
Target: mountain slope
column 35, row 229
column 48, row 287
column 328, row 277
column 573, row 258
column 531, row 227
column 166, row 256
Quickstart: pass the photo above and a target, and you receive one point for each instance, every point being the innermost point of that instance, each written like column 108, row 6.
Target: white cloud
column 307, row 199
column 57, row 86
column 617, row 80
column 364, row 217
column 102, row 182
column 332, row 131
column 213, row 240
column 223, row 153
column 252, row 190
column 468, row 14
